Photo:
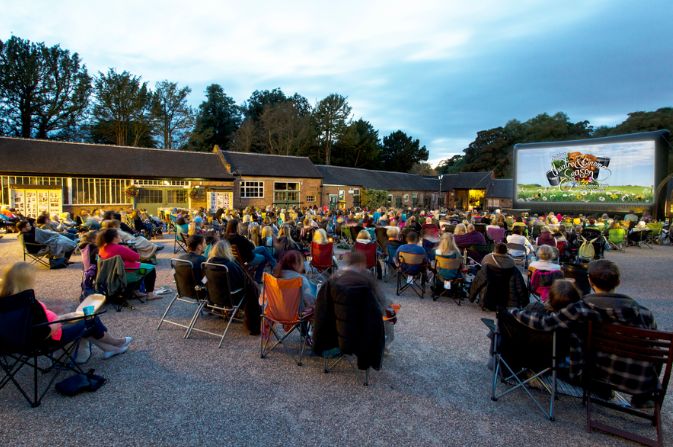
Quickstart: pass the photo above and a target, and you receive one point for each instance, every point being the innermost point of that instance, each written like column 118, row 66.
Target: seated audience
column 291, row 265
column 467, row 235
column 196, row 245
column 499, row 258
column 545, row 256
column 517, row 238
column 246, row 249
column 20, row 277
column 604, row 305
column 545, row 238
column 57, row 245
column 108, row 242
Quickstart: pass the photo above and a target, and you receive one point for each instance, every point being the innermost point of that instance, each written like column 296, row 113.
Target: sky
column 439, row 70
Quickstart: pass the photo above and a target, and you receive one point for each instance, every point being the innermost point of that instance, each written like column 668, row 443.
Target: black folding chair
column 188, row 290
column 24, row 339
column 411, row 273
column 221, row 299
column 523, row 357
column 34, row 252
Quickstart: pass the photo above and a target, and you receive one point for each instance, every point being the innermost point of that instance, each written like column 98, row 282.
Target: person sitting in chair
column 196, row 244
column 499, row 258
column 108, row 242
column 604, row 305
column 58, row 245
column 20, row 277
column 545, row 255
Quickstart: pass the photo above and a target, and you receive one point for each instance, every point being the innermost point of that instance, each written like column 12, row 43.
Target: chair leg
column 233, row 314
column 194, row 318
column 167, row 309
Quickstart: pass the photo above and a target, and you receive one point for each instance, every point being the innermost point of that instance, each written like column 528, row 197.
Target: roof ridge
column 42, row 140
column 373, row 170
column 268, row 155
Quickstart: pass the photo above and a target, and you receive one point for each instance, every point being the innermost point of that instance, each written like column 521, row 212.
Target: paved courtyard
column 433, row 388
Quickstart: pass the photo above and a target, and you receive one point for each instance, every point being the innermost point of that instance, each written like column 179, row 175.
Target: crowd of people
column 285, row 242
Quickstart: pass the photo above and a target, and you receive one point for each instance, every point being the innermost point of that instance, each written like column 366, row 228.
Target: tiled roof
column 466, row 180
column 43, row 157
column 501, row 188
column 384, row 180
column 264, row 165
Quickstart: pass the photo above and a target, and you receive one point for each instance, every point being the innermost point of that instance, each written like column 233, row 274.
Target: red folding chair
column 369, row 250
column 322, row 258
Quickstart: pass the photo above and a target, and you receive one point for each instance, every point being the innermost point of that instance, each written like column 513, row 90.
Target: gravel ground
column 433, row 388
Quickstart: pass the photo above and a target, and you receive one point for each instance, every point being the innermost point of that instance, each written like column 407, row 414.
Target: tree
column 331, row 116
column 422, row 168
column 286, row 129
column 400, row 152
column 121, row 110
column 43, row 90
column 490, row 151
column 259, row 99
column 451, row 165
column 217, row 120
column 358, row 146
column 171, row 113
column 373, row 198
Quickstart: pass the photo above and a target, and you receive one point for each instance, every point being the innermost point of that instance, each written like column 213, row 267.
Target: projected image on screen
column 593, row 173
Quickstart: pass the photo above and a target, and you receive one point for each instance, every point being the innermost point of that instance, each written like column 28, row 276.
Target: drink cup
column 88, row 310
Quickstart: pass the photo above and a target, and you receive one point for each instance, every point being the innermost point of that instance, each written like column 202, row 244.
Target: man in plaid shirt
column 633, row 377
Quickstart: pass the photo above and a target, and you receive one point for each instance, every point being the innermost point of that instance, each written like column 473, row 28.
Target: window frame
column 246, row 185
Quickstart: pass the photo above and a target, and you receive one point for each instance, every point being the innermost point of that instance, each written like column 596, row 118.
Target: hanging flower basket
column 196, row 193
column 132, row 191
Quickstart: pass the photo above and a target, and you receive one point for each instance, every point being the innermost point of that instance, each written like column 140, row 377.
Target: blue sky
column 439, row 70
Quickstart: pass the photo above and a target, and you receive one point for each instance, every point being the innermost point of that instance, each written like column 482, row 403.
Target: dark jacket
column 499, row 288
column 243, row 245
column 348, row 316
column 239, row 278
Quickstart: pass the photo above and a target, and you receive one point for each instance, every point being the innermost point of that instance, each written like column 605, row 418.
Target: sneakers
column 118, row 350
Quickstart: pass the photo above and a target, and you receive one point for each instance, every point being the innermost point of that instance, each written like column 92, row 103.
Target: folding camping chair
column 35, row 253
column 411, row 273
column 520, row 260
column 448, row 278
column 180, row 241
column 646, row 351
column 369, row 250
column 616, row 238
column 23, row 333
column 281, row 299
column 188, row 290
column 540, row 281
column 523, row 357
column 322, row 259
column 220, row 299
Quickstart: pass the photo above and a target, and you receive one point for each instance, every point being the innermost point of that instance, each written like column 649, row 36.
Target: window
column 176, row 196
column 405, row 199
column 414, row 199
column 252, row 190
column 150, row 196
column 6, row 181
column 286, row 193
column 310, row 199
column 96, row 191
column 356, row 197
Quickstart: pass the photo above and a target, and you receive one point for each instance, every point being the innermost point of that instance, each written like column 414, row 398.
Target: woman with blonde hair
column 320, row 236
column 19, row 278
column 447, row 246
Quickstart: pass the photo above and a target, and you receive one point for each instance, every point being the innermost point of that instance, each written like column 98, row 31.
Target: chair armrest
column 70, row 319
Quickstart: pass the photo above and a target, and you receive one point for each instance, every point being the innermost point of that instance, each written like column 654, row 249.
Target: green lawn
column 611, row 194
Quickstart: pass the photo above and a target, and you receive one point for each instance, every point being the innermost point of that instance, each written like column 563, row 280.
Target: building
column 51, row 176
column 278, row 180
column 499, row 194
column 466, row 190
column 343, row 187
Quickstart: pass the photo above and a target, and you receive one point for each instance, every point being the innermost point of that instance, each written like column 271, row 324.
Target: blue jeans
column 83, row 328
column 267, row 255
column 260, row 262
